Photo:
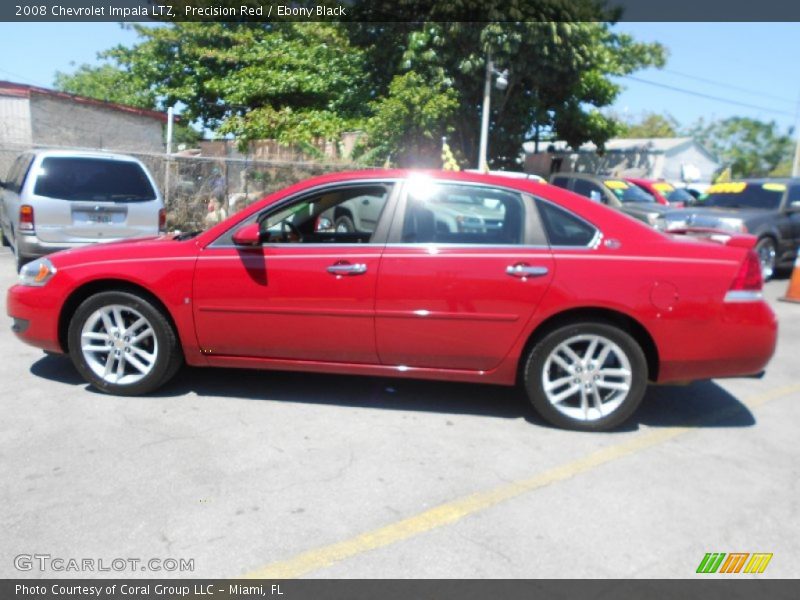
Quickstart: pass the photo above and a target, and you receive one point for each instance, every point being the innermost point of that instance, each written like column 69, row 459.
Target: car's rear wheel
column 765, row 248
column 589, row 376
column 122, row 344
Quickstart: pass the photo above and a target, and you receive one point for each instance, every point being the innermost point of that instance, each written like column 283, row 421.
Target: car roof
column 99, row 154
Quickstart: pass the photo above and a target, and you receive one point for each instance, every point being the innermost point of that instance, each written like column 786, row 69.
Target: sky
column 755, row 64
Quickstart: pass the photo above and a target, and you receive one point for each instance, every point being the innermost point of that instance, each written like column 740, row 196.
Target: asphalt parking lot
column 296, row 475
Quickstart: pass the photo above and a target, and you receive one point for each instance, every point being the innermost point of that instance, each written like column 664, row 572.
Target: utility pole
column 796, row 161
column 483, row 165
column 167, row 169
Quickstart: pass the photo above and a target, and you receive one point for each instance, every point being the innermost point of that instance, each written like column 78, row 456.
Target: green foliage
column 109, row 83
column 752, row 148
column 649, row 126
column 405, row 84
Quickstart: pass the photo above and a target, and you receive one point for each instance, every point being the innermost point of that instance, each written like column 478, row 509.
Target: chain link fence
column 200, row 191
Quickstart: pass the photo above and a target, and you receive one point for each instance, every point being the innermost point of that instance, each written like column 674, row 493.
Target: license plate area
column 98, row 217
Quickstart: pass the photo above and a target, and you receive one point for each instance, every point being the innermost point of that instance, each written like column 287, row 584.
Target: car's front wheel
column 122, row 344
column 589, row 376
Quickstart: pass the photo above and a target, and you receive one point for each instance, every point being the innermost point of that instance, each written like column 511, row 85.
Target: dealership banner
column 396, row 10
column 392, row 589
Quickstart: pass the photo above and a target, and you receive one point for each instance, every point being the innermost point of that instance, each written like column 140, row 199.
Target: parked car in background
column 56, row 199
column 664, row 192
column 516, row 174
column 576, row 301
column 766, row 208
column 616, row 193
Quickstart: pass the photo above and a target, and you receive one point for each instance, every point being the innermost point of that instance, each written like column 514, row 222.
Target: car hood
column 130, row 248
column 642, row 208
column 711, row 215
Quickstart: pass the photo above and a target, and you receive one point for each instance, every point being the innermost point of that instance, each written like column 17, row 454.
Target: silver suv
column 56, row 199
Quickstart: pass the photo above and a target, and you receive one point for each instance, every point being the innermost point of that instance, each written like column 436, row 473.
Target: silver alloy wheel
column 766, row 256
column 119, row 344
column 587, row 377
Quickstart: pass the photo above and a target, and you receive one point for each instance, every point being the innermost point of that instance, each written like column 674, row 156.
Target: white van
column 57, row 199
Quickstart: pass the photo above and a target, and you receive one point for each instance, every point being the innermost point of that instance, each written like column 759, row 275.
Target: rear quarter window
column 92, row 179
column 563, row 228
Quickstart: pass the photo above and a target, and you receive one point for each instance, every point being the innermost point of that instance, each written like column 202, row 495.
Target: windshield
column 92, row 179
column 679, row 195
column 766, row 196
column 627, row 192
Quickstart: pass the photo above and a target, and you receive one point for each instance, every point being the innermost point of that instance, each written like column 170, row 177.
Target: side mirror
column 249, row 235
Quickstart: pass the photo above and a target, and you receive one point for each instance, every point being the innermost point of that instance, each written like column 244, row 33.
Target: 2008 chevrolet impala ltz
column 433, row 275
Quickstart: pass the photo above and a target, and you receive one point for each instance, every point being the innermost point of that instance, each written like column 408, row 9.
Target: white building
column 31, row 116
column 680, row 160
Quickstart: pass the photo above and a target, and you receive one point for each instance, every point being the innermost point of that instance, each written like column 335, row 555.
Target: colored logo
column 734, row 562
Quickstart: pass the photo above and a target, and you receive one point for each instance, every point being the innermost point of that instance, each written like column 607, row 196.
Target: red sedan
column 462, row 277
column 665, row 193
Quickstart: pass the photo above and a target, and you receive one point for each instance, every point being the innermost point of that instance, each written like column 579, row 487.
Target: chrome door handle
column 347, row 269
column 523, row 270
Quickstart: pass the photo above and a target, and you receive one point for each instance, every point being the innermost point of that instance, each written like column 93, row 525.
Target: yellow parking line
column 456, row 510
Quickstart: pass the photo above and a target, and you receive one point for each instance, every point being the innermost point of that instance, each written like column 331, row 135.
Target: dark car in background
column 766, row 208
column 614, row 192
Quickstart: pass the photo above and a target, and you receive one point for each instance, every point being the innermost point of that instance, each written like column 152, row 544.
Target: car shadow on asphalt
column 700, row 404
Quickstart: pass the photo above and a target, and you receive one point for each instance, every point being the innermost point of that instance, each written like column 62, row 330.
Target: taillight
column 162, row 220
column 748, row 282
column 26, row 218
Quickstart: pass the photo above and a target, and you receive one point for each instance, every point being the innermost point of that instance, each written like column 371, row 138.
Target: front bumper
column 35, row 312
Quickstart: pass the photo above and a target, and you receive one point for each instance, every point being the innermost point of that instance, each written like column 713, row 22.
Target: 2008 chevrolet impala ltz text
column 433, row 275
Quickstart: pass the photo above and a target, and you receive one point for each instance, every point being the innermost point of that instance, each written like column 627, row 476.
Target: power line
column 729, row 86
column 23, row 78
column 708, row 96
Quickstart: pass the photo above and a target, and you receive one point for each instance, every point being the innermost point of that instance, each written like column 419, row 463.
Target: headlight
column 652, row 219
column 734, row 225
column 37, row 273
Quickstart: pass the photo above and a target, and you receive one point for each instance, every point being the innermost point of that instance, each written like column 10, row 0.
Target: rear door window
column 562, row 182
column 93, row 179
column 591, row 190
column 462, row 214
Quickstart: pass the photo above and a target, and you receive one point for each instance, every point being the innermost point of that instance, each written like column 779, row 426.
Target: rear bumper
column 739, row 343
column 30, row 246
column 35, row 316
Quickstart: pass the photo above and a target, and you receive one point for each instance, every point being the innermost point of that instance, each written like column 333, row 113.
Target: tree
column 751, row 147
column 558, row 79
column 405, row 84
column 649, row 126
column 110, row 83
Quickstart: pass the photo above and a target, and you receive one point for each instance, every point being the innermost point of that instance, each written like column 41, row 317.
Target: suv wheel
column 122, row 344
column 587, row 376
column 344, row 224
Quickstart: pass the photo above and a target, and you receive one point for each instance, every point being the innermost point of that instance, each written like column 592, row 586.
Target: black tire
column 344, row 224
column 623, row 405
column 20, row 261
column 4, row 239
column 767, row 253
column 168, row 356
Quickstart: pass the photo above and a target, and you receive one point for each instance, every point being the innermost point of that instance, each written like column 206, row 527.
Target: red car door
column 309, row 299
column 463, row 273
